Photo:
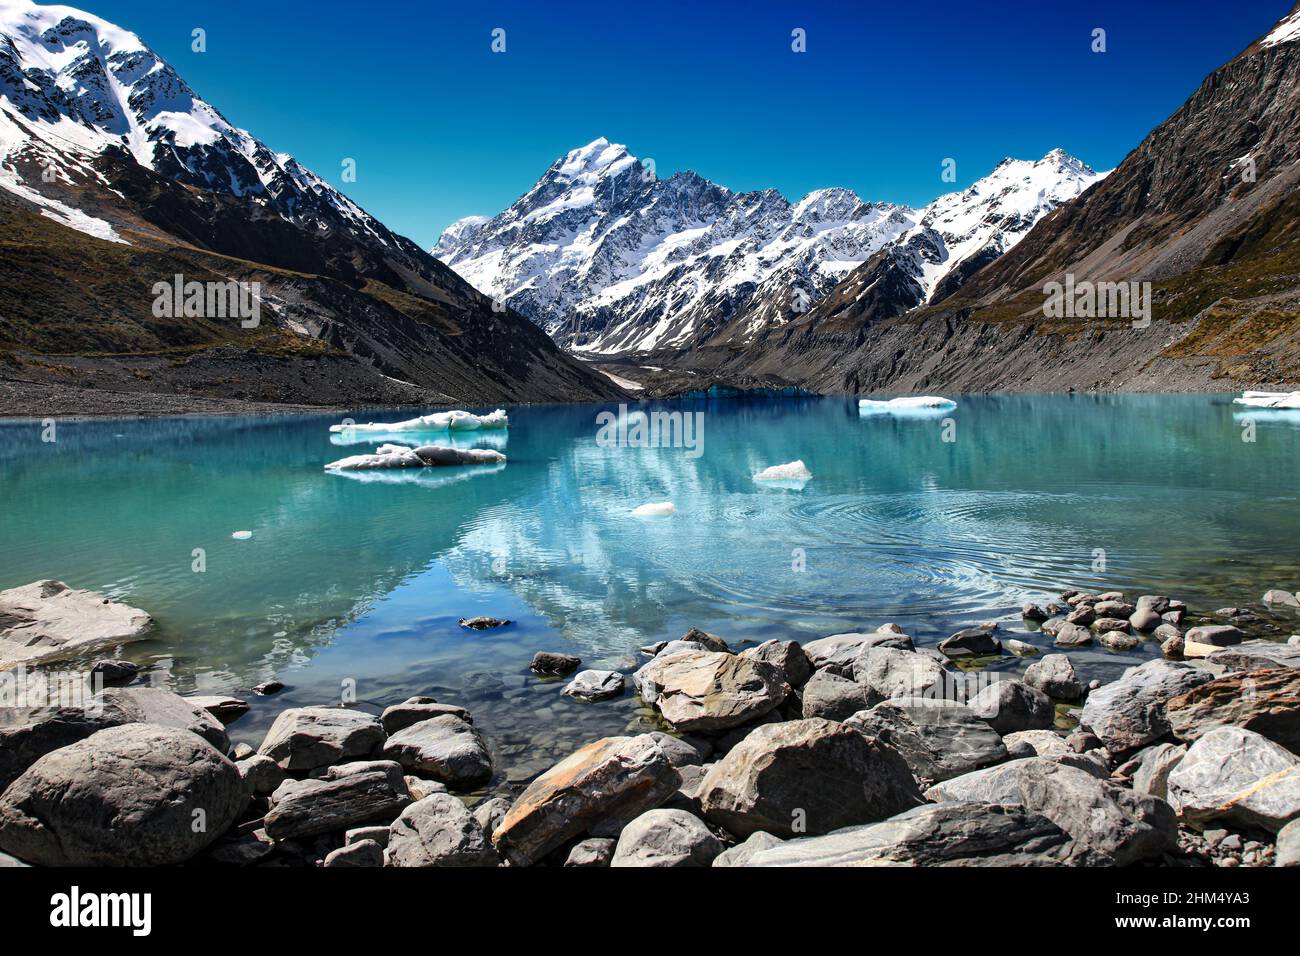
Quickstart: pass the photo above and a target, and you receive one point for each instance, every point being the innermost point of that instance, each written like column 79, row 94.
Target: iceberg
column 1269, row 399
column 403, row 456
column 659, row 509
column 793, row 471
column 458, row 421
column 241, row 535
column 910, row 403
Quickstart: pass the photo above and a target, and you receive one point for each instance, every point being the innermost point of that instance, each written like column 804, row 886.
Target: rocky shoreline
column 854, row 749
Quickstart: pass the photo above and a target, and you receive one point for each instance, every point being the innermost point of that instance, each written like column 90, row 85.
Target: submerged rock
column 551, row 664
column 594, row 686
column 806, row 776
column 49, row 621
column 666, row 838
column 483, row 623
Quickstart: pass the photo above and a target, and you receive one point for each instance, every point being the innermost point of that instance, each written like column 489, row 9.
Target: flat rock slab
column 415, row 709
column 225, row 709
column 49, row 621
column 1251, row 655
column 938, row 739
column 941, row 834
column 125, row 796
column 445, row 748
column 305, row 738
column 1103, row 818
column 710, row 691
column 347, row 796
column 1237, row 776
column 1129, row 713
column 613, row 777
column 1265, row 701
column 806, row 776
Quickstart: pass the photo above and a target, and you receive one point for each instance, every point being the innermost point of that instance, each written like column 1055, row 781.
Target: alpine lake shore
column 855, row 749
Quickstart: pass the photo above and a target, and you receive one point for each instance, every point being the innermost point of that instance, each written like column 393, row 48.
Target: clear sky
column 441, row 127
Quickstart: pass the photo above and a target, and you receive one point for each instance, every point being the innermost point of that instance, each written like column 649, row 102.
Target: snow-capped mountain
column 100, row 135
column 608, row 258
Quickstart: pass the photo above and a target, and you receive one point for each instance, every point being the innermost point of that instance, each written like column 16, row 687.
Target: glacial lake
column 932, row 521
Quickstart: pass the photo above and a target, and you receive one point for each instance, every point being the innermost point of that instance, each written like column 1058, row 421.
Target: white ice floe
column 458, row 420
column 426, row 456
column 910, row 403
column 242, row 535
column 657, row 509
column 793, row 471
column 1269, row 399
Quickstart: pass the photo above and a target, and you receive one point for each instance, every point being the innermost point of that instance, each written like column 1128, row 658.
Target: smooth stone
column 1173, row 646
column 594, row 686
column 1233, row 775
column 125, row 796
column 376, row 834
column 305, row 738
column 787, row 657
column 554, row 665
column 970, row 642
column 1288, row 845
column 261, row 775
column 1021, row 649
column 345, row 797
column 1118, row 641
column 48, row 621
column 710, row 691
column 1083, row 615
column 1041, row 743
column 1220, row 635
column 1114, row 608
column 836, row 698
column 1011, row 705
column 445, row 748
column 114, row 672
column 666, row 838
column 490, row 813
column 1101, row 817
column 942, row 834
column 438, row 831
column 416, row 709
column 1072, row 635
column 680, row 753
column 360, row 853
column 593, row 851
column 268, row 687
column 613, row 777
column 770, row 780
column 1276, row 596
column 938, row 739
column 1055, row 676
column 1129, row 713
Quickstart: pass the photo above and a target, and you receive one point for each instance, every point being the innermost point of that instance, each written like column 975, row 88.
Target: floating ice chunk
column 658, row 509
column 793, row 471
column 909, row 403
column 401, row 456
column 1269, row 399
column 437, row 421
column 242, row 535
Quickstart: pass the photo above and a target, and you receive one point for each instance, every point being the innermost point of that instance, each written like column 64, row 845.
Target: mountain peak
column 1286, row 30
column 597, row 158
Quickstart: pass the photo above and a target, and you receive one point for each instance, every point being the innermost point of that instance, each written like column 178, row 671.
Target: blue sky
column 441, row 127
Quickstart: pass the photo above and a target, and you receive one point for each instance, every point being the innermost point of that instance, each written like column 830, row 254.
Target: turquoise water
column 353, row 580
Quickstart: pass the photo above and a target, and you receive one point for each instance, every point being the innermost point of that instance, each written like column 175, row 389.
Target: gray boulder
column 135, row 795
column 1288, row 845
column 445, row 748
column 1071, row 635
column 836, row 698
column 938, row 739
column 894, row 674
column 1129, row 713
column 1154, row 765
column 1036, row 743
column 225, row 709
column 742, row 853
column 262, row 776
column 1011, row 705
column 305, row 738
column 680, row 753
column 942, row 834
column 1103, row 818
column 1055, row 676
column 438, row 831
column 362, row 853
column 666, row 838
column 594, row 851
column 550, row 664
column 1220, row 635
column 1236, row 776
column 1253, row 655
column 970, row 642
column 619, row 777
column 415, row 709
column 593, row 686
column 346, row 796
column 787, row 657
column 840, row 650
column 806, row 776
column 48, row 621
column 490, row 813
column 710, row 691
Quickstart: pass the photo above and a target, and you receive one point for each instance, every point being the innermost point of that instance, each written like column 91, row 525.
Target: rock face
column 1265, row 701
column 305, row 738
column 438, row 831
column 1130, row 713
column 806, row 776
column 1011, row 705
column 613, row 777
column 1101, row 817
column 1055, row 676
column 938, row 739
column 894, row 674
column 415, row 709
column 346, row 796
column 594, row 686
column 1236, row 776
column 666, row 838
column 709, row 691
column 836, row 698
column 49, row 621
column 445, row 748
column 136, row 795
column 787, row 657
column 941, row 834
